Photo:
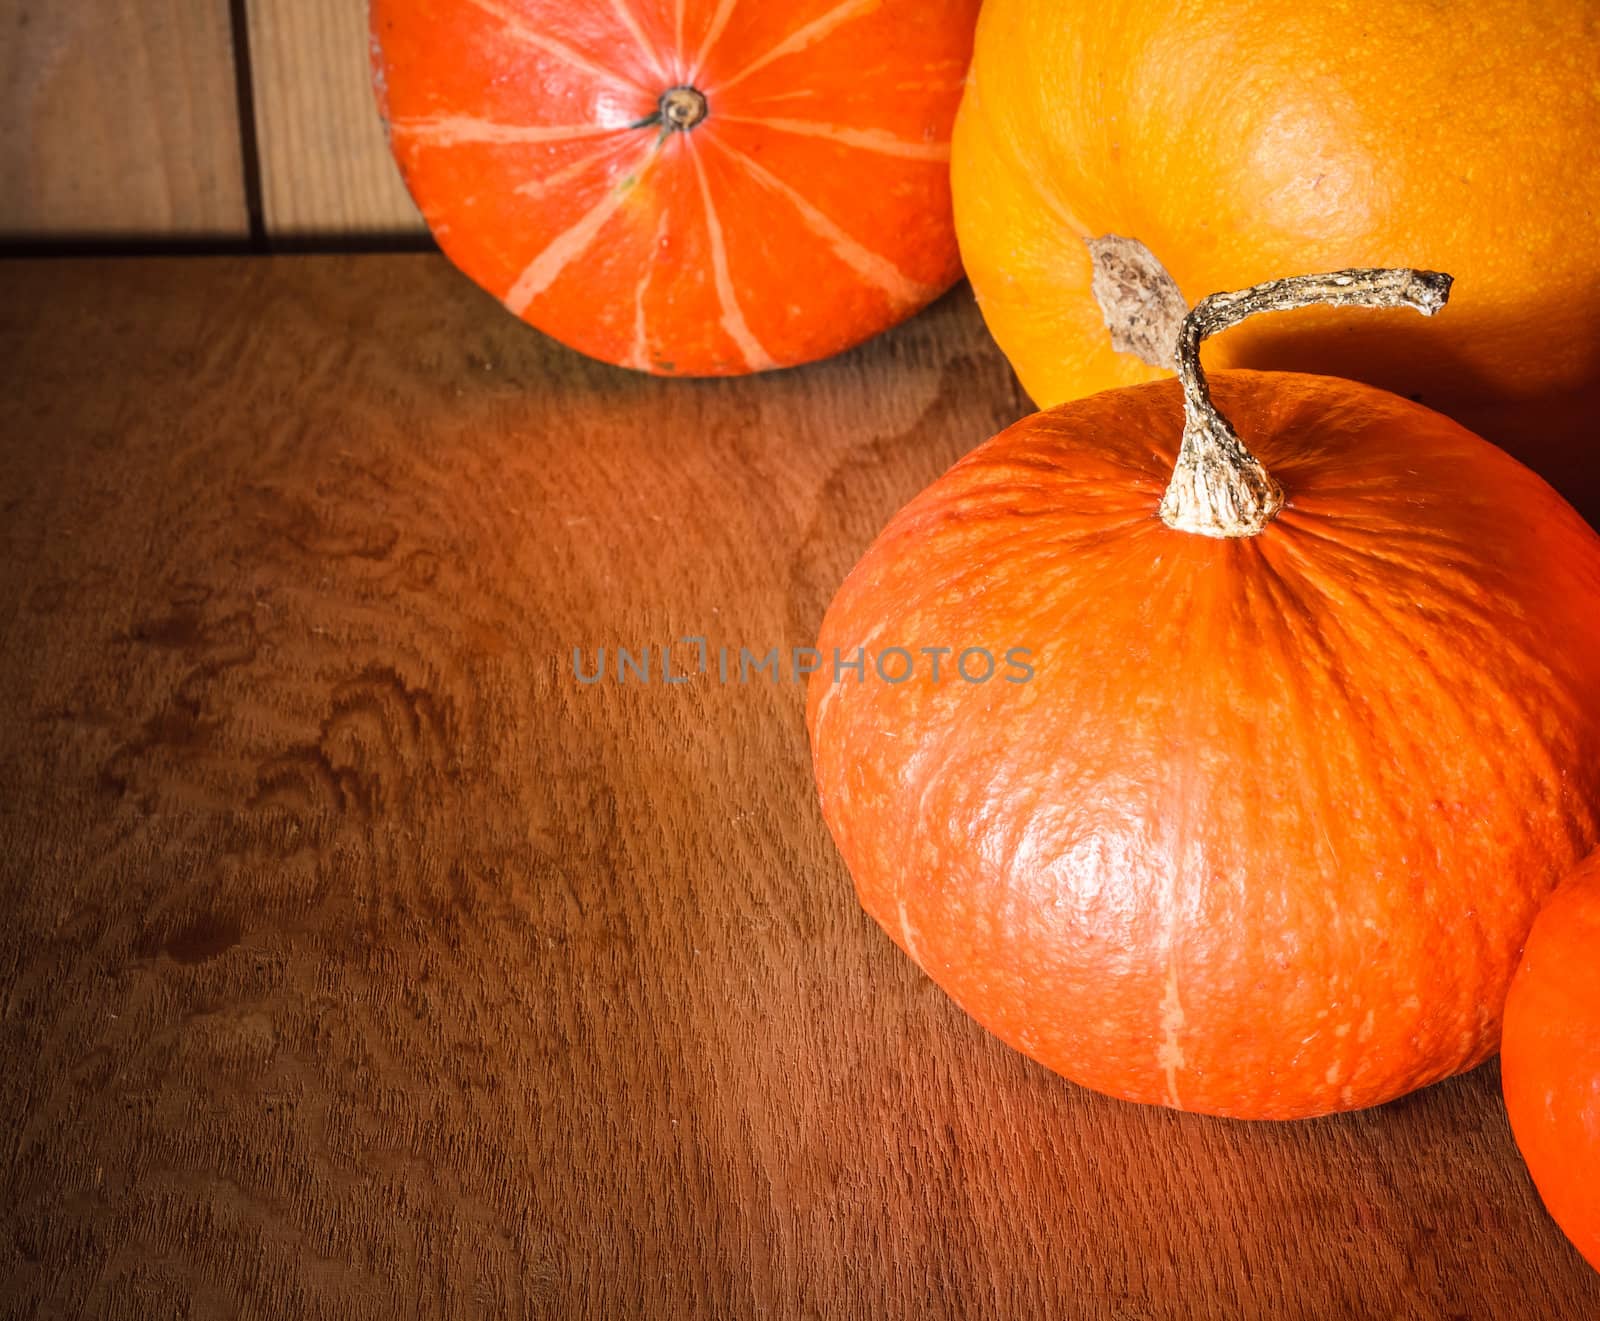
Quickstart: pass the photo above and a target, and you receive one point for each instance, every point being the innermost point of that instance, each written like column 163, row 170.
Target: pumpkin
column 1550, row 1057
column 1112, row 163
column 704, row 187
column 1300, row 723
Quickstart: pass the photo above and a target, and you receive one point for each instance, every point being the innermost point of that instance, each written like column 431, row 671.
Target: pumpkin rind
column 1264, row 833
column 1550, row 1057
column 806, row 209
column 1239, row 140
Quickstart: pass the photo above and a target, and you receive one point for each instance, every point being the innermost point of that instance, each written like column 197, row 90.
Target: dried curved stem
column 1219, row 488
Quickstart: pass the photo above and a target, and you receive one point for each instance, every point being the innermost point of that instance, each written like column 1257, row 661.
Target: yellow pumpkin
column 1115, row 162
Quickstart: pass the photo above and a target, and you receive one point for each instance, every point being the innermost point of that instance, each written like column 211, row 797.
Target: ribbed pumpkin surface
column 800, row 205
column 1264, row 833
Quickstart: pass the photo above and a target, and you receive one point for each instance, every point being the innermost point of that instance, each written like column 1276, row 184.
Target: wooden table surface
column 358, row 961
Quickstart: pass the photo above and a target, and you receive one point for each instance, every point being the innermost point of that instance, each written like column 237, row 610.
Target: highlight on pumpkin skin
column 1219, row 488
column 703, row 187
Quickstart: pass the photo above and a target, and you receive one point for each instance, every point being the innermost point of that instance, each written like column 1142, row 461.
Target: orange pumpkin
column 1312, row 727
column 689, row 188
column 1550, row 1057
column 1114, row 162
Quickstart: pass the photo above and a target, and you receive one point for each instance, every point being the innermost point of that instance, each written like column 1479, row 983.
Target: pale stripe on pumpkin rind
column 639, row 358
column 866, row 139
column 516, row 26
column 630, row 21
column 903, row 292
column 718, row 22
column 460, row 130
column 572, row 242
column 544, row 184
column 804, row 37
column 1169, row 1054
column 733, row 322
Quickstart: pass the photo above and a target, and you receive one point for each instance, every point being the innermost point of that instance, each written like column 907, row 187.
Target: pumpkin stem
column 1219, row 488
column 681, row 108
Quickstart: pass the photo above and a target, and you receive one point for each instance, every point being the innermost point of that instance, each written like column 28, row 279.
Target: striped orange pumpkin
column 705, row 187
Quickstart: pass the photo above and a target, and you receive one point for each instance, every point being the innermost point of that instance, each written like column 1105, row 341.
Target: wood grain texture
column 357, row 961
column 119, row 121
column 325, row 164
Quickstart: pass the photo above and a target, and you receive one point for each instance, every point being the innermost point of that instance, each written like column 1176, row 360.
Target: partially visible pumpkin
column 1221, row 144
column 1312, row 728
column 1550, row 1057
column 694, row 188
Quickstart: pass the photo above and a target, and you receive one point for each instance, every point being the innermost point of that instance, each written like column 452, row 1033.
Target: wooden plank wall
column 122, row 122
column 325, row 167
column 118, row 118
